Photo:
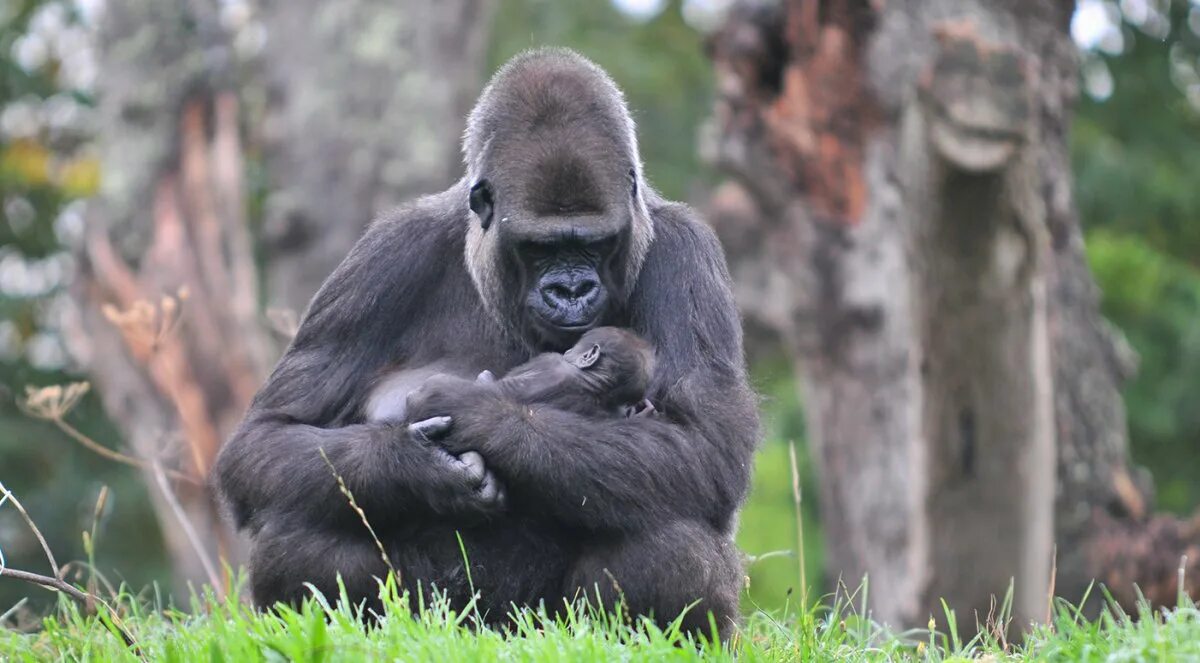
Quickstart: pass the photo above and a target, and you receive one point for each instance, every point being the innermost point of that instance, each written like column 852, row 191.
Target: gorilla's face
column 561, row 232
column 559, row 227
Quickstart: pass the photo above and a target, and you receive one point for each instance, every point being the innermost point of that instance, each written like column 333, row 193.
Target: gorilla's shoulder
column 680, row 233
column 437, row 219
column 402, row 256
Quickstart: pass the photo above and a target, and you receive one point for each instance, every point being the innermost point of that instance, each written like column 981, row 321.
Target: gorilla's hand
column 456, row 414
column 458, row 486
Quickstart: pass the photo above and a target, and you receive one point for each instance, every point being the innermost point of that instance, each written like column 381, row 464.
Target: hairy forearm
column 272, row 466
column 619, row 474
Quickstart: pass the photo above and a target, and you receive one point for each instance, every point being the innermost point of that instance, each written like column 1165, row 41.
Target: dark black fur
column 644, row 503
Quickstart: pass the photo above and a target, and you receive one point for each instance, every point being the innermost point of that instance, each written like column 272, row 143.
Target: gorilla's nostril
column 583, row 289
column 569, row 293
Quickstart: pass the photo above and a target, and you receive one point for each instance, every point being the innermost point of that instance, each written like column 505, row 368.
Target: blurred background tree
column 1136, row 155
column 1135, row 150
column 46, row 168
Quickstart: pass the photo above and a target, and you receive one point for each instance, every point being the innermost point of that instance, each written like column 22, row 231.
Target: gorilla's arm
column 691, row 461
column 367, row 315
column 275, row 466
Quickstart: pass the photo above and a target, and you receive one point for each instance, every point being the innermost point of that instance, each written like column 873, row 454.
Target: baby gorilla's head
column 615, row 361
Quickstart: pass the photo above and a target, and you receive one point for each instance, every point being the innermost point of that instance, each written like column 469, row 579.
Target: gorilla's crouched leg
column 287, row 559
column 682, row 565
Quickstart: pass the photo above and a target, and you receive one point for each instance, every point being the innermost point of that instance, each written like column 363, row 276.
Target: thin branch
column 84, row 598
column 160, row 478
column 7, row 494
column 799, row 525
column 57, row 583
column 117, row 456
column 48, row 582
column 13, row 610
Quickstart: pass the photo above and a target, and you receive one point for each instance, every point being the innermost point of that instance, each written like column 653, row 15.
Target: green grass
column 227, row 630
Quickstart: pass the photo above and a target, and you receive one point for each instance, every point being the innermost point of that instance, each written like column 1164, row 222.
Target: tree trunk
column 366, row 103
column 168, row 318
column 901, row 215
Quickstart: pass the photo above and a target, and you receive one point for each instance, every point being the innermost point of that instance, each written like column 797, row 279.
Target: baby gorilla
column 606, row 372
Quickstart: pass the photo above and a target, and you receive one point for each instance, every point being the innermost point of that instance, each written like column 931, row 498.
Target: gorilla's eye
column 481, row 202
column 633, row 182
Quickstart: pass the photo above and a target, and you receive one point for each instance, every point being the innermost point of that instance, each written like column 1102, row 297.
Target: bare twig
column 54, row 402
column 160, row 477
column 117, row 456
column 799, row 525
column 46, row 581
column 1050, row 590
column 7, row 494
column 56, row 582
column 86, row 599
column 13, row 610
column 1181, row 575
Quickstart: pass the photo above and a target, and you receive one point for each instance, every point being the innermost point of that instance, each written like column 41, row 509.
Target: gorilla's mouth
column 565, row 327
column 559, row 335
column 560, row 319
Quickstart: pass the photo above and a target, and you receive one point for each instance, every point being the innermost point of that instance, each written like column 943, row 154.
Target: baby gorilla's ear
column 588, row 358
column 486, row 377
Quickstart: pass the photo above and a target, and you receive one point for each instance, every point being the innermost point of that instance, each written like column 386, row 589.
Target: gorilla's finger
column 428, row 429
column 473, row 463
column 648, row 409
column 486, row 377
column 492, row 490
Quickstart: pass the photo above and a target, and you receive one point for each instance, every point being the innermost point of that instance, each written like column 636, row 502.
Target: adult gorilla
column 553, row 231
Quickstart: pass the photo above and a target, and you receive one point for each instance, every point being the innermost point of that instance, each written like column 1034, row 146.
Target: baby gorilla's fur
column 606, row 373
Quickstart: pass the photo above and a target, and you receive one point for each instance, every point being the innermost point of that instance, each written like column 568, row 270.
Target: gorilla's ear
column 481, row 202
column 633, row 183
column 588, row 358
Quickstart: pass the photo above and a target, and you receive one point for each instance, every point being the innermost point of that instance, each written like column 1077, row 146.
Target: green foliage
column 1136, row 158
column 769, row 528
column 1155, row 299
column 228, row 630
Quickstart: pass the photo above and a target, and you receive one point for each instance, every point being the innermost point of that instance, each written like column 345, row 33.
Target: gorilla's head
column 559, row 225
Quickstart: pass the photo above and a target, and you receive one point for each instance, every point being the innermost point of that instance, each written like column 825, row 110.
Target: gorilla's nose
column 570, row 291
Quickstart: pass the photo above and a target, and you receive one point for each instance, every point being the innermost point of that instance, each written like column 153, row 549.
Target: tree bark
column 365, row 106
column 900, row 214
column 168, row 307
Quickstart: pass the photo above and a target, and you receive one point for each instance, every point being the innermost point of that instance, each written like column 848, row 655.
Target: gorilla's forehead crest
column 550, row 93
